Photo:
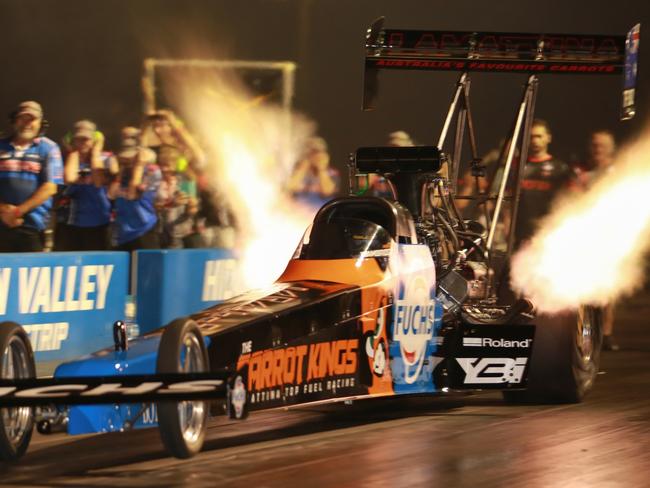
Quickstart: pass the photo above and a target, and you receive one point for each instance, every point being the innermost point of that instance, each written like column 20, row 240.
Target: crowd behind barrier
column 150, row 193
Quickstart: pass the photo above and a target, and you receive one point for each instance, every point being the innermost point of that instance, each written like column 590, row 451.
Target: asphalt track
column 459, row 441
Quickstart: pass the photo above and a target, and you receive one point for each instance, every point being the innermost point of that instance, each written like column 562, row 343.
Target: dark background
column 83, row 59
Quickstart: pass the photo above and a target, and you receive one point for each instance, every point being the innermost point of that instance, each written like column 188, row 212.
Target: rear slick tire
column 182, row 424
column 16, row 361
column 565, row 358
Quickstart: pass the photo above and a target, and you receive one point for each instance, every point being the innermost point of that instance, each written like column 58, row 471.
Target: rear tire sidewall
column 8, row 450
column 169, row 351
column 560, row 371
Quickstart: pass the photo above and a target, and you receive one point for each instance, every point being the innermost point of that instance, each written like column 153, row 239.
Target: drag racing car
column 383, row 296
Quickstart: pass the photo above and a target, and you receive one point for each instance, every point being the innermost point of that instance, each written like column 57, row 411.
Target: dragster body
column 357, row 313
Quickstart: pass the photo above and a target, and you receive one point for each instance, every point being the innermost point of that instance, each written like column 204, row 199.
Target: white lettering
column 41, row 298
column 150, row 415
column 197, row 386
column 493, row 370
column 219, row 279
column 57, row 305
column 71, row 305
column 26, row 284
column 55, row 391
column 146, row 387
column 104, row 274
column 86, row 287
column 209, row 281
column 5, row 277
column 5, row 390
column 47, row 337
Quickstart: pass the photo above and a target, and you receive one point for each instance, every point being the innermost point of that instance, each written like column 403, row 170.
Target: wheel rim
column 15, row 364
column 585, row 334
column 191, row 414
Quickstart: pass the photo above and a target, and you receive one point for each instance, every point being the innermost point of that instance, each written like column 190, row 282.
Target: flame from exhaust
column 590, row 249
column 252, row 147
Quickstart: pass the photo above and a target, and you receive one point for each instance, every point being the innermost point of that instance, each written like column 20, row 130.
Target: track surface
column 461, row 441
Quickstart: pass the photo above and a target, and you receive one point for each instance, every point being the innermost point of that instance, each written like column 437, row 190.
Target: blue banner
column 67, row 302
column 175, row 283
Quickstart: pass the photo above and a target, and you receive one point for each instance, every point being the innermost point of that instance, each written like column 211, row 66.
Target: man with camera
column 84, row 210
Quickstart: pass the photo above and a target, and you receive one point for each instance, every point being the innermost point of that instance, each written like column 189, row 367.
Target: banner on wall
column 177, row 282
column 67, row 302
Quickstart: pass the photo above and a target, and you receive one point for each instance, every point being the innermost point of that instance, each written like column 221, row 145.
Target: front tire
column 565, row 358
column 16, row 361
column 182, row 425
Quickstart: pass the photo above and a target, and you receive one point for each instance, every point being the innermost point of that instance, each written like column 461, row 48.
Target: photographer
column 314, row 181
column 134, row 193
column 84, row 210
column 177, row 204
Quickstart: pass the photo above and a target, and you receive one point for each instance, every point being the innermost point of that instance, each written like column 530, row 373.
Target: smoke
column 252, row 147
column 590, row 249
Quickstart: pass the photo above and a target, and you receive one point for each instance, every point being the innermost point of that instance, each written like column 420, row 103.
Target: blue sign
column 66, row 302
column 175, row 283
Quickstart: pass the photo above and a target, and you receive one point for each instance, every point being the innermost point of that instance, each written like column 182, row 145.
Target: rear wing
column 500, row 52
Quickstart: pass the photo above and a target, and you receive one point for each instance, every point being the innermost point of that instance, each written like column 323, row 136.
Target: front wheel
column 565, row 359
column 182, row 424
column 16, row 361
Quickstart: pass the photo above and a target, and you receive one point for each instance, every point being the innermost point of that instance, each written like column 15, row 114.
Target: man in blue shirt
column 30, row 169
column 134, row 192
column 85, row 214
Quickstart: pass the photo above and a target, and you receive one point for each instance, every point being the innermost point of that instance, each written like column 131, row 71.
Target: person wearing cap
column 134, row 193
column 162, row 128
column 84, row 210
column 377, row 185
column 30, row 170
column 129, row 137
column 314, row 181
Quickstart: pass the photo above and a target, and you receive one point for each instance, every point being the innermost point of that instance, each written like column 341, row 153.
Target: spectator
column 84, row 209
column 600, row 160
column 129, row 137
column 377, row 185
column 177, row 206
column 217, row 219
column 314, row 181
column 399, row 138
column 162, row 128
column 134, row 192
column 30, row 169
column 543, row 177
column 601, row 151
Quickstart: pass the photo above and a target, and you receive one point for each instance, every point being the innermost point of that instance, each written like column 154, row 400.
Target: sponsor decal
column 491, row 342
column 493, row 370
column 504, row 43
column 277, row 374
column 150, row 415
column 494, row 66
column 56, row 390
column 375, row 345
column 413, row 325
column 238, row 398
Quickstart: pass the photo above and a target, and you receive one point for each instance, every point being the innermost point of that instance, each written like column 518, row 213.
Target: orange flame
column 590, row 249
column 253, row 147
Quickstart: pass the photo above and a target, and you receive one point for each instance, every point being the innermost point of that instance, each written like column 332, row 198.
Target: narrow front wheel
column 16, row 362
column 182, row 424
